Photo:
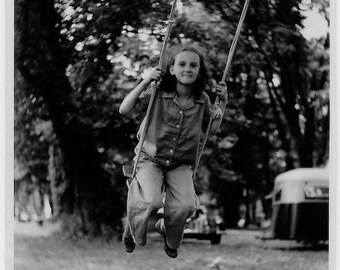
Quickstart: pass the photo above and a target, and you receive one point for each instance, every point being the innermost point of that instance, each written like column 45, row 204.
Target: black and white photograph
column 171, row 134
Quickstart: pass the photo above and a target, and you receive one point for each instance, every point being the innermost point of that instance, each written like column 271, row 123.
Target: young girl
column 179, row 114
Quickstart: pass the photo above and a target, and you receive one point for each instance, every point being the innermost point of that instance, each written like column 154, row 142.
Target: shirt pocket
column 171, row 115
column 194, row 118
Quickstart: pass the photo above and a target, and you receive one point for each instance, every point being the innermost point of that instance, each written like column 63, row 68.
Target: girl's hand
column 154, row 75
column 217, row 111
column 221, row 91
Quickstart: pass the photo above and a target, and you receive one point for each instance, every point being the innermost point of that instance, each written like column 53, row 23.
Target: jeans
column 145, row 199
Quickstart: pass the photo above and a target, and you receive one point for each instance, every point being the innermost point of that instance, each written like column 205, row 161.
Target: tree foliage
column 272, row 84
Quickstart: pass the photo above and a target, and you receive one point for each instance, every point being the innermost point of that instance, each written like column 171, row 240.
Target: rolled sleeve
column 143, row 101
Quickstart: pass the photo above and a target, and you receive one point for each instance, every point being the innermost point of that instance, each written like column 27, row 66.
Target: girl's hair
column 168, row 82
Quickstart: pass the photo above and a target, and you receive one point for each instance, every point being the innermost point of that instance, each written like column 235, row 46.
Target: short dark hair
column 168, row 81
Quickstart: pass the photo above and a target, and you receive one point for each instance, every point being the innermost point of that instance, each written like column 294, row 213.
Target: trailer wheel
column 215, row 239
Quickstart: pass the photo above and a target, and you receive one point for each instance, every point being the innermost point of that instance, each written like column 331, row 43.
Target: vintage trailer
column 300, row 201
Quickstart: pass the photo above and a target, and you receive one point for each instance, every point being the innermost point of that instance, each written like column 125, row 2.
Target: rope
column 217, row 101
column 147, row 116
column 233, row 44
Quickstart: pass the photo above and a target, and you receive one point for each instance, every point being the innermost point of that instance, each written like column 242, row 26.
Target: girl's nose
column 187, row 68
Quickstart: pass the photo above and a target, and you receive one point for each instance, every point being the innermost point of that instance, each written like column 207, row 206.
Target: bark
column 286, row 144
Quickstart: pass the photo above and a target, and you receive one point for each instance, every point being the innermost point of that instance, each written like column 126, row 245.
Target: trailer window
column 278, row 195
column 316, row 192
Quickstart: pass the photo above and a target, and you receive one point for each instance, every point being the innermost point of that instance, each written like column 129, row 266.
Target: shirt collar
column 168, row 94
column 173, row 95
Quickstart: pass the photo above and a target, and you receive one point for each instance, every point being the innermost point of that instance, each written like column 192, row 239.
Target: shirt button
column 177, row 126
column 167, row 162
column 171, row 151
column 174, row 139
column 180, row 112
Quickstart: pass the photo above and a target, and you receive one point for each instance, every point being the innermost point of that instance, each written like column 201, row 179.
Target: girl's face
column 186, row 67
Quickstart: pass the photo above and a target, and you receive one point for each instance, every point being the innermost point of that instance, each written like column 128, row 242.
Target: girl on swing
column 180, row 113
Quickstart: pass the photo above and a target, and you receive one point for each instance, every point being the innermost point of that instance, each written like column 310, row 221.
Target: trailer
column 300, row 201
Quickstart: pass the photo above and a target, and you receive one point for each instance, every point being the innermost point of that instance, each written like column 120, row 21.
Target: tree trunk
column 305, row 147
column 42, row 62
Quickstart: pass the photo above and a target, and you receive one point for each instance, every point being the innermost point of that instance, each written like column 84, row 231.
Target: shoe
column 172, row 253
column 128, row 242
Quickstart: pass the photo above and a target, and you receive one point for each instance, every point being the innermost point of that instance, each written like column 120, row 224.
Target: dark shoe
column 172, row 253
column 128, row 242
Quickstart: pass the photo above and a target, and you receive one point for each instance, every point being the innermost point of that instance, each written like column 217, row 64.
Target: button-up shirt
column 173, row 133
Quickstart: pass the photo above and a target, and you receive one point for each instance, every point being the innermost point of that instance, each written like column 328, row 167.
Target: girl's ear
column 171, row 69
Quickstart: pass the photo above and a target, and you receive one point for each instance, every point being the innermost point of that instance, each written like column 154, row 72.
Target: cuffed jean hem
column 140, row 242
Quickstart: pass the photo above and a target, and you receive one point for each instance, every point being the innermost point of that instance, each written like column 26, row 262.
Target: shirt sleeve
column 143, row 101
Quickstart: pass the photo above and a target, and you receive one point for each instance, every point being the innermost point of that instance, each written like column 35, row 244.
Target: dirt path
column 41, row 248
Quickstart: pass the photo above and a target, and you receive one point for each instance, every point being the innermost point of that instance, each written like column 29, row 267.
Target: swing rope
column 224, row 77
column 126, row 169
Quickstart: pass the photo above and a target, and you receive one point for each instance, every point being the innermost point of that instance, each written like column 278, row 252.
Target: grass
column 42, row 248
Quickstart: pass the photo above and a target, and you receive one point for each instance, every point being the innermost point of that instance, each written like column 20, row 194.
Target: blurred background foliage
column 76, row 60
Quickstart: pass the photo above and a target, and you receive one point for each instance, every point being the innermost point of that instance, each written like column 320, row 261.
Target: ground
column 42, row 248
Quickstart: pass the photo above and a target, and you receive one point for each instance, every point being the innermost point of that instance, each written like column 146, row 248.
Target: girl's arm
column 221, row 91
column 130, row 100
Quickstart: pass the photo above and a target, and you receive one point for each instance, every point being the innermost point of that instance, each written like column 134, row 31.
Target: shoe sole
column 127, row 247
column 171, row 255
